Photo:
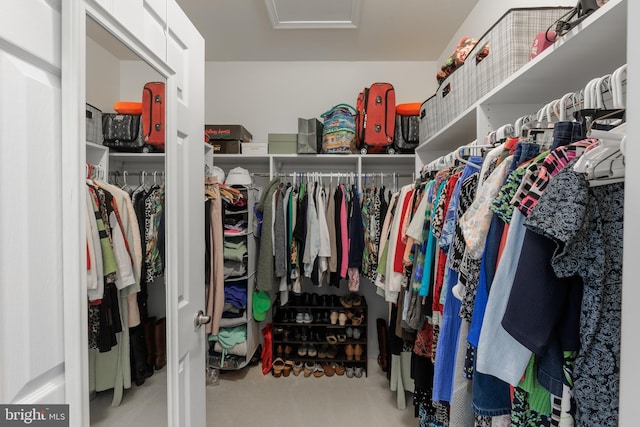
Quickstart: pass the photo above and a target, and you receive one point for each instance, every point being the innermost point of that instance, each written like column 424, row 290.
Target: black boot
column 139, row 369
column 382, row 343
column 150, row 341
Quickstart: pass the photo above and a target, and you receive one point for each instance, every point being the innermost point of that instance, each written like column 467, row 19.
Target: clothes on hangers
column 497, row 249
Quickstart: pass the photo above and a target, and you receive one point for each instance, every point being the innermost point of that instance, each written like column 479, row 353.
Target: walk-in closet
column 483, row 278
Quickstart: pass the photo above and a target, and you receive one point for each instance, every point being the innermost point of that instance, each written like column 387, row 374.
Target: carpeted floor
column 246, row 398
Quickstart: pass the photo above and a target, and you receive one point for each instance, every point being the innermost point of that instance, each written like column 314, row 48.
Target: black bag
column 407, row 135
column 123, row 132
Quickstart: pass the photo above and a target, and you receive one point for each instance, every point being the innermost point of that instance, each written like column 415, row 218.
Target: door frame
column 76, row 343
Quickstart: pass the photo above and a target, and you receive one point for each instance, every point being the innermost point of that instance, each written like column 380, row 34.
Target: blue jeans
column 564, row 133
column 491, row 396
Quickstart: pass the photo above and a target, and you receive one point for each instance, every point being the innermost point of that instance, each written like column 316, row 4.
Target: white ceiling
column 388, row 30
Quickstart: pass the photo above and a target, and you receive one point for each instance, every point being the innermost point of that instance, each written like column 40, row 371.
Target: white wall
column 268, row 97
column 134, row 76
column 630, row 345
column 486, row 13
column 103, row 67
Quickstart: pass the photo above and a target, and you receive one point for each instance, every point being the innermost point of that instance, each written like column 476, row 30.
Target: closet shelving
column 593, row 48
column 248, row 279
column 360, row 164
column 284, row 333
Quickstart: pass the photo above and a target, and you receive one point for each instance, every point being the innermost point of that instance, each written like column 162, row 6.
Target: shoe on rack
column 357, row 351
column 333, row 317
column 349, row 332
column 300, row 317
column 278, row 367
column 287, row 351
column 324, row 300
column 315, row 300
column 297, row 368
column 306, row 318
column 308, row 369
column 356, row 300
column 342, row 319
column 349, row 371
column 329, row 368
column 322, row 351
column 288, row 366
column 331, row 338
column 302, row 350
column 341, row 337
column 304, row 334
column 279, row 352
column 339, row 369
column 325, row 317
column 357, row 372
column 332, row 351
column 318, row 371
column 312, row 351
column 357, row 318
column 349, row 351
column 346, row 301
column 356, row 333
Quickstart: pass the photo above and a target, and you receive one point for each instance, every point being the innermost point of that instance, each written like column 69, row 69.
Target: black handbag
column 123, row 132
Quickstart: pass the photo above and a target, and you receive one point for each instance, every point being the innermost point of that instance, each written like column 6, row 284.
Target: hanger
column 459, row 153
column 604, row 164
column 504, row 132
column 618, row 87
column 540, row 130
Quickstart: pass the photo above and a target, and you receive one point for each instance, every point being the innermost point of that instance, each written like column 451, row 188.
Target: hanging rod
column 334, row 174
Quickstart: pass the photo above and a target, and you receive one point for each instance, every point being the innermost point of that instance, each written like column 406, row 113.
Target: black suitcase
column 407, row 132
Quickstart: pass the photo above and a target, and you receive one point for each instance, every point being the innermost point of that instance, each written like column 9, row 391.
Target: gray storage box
column 429, row 122
column 309, row 136
column 94, row 124
column 452, row 97
column 283, row 143
column 509, row 40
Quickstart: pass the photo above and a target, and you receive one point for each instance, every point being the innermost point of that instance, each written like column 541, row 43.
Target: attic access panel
column 313, row 14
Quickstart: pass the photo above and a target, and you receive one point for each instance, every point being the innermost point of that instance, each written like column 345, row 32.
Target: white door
column 185, row 220
column 33, row 267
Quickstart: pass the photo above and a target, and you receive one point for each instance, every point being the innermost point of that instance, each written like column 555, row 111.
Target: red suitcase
column 376, row 120
column 153, row 111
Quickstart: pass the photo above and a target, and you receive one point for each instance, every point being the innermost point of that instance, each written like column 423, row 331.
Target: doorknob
column 200, row 319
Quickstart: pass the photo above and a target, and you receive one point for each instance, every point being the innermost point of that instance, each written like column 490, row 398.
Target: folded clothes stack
column 235, row 225
column 235, row 250
column 234, row 268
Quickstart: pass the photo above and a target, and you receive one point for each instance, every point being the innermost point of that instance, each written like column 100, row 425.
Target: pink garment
column 401, row 243
column 215, row 288
column 344, row 232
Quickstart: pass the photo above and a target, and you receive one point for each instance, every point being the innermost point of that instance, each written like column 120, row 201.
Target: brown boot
column 382, row 343
column 161, row 344
column 150, row 341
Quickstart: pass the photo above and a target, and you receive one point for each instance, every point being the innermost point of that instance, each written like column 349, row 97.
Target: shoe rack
column 318, row 333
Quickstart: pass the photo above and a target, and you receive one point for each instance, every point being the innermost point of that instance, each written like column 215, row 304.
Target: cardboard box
column 221, row 146
column 227, row 132
column 254, row 148
column 283, row 143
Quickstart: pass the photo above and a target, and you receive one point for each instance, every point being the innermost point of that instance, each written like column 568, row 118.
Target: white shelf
column 594, row 48
column 137, row 157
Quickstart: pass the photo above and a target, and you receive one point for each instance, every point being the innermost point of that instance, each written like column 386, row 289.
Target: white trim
column 73, row 226
column 74, row 17
column 277, row 24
